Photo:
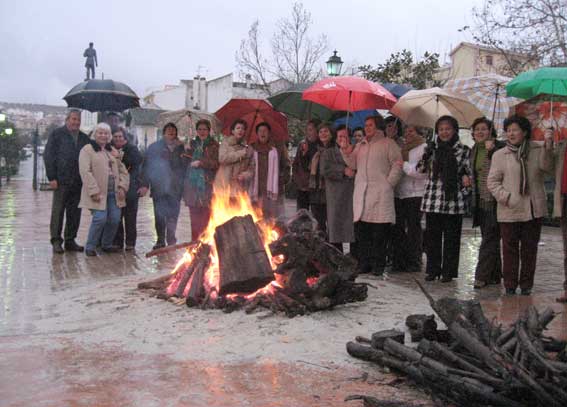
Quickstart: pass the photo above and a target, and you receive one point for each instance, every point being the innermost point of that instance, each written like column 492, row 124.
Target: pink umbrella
column 349, row 93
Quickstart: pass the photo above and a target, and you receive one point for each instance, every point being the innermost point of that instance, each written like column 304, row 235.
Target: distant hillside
column 34, row 107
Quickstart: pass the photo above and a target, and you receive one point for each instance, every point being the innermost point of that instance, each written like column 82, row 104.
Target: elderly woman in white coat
column 377, row 161
column 516, row 180
column 105, row 183
column 407, row 234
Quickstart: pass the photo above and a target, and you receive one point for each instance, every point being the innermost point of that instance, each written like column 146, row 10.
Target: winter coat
column 233, row 161
column 475, row 198
column 132, row 160
column 94, row 169
column 504, row 184
column 302, row 164
column 209, row 166
column 434, row 200
column 378, row 165
column 61, row 157
column 412, row 184
column 339, row 190
column 559, row 162
column 164, row 170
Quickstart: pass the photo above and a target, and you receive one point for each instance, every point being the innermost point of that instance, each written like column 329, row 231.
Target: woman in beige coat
column 377, row 161
column 516, row 181
column 236, row 163
column 105, row 182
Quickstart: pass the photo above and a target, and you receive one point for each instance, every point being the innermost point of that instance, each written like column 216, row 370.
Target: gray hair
column 105, row 127
column 72, row 111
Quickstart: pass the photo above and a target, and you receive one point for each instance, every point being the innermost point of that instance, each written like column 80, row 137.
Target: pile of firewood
column 475, row 362
column 312, row 275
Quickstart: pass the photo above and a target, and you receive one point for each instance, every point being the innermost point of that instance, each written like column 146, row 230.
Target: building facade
column 469, row 60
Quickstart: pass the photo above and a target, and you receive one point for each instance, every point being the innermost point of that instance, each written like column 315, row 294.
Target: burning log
column 485, row 365
column 243, row 263
column 308, row 274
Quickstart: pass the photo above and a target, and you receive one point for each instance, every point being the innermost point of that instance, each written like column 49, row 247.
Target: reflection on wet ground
column 116, row 378
column 69, row 374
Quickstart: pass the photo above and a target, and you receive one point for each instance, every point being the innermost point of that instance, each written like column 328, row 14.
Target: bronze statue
column 91, row 62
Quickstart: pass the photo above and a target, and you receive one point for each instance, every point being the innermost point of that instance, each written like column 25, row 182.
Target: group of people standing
column 369, row 189
column 107, row 175
column 392, row 175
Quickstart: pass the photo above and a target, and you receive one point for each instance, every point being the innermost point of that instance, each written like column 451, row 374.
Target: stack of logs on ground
column 312, row 276
column 475, row 362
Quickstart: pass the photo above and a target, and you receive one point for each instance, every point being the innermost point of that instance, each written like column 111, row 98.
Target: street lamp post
column 35, row 142
column 334, row 64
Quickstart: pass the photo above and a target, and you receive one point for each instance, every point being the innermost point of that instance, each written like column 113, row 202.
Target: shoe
column 111, row 249
column 431, row 277
column 90, row 253
column 158, row 245
column 58, row 248
column 510, row 291
column 526, row 291
column 129, row 247
column 478, row 284
column 72, row 246
column 446, row 279
column 378, row 271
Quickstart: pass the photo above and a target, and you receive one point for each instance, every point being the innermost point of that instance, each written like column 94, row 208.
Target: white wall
column 172, row 98
column 219, row 91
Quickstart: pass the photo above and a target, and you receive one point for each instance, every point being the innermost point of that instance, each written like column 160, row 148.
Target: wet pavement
column 75, row 332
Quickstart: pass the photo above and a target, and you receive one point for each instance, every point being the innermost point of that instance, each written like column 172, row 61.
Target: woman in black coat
column 132, row 160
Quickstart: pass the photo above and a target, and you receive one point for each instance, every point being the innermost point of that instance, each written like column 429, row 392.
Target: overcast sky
column 148, row 43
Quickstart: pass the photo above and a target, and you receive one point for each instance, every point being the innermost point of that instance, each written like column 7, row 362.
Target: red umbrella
column 349, row 93
column 253, row 111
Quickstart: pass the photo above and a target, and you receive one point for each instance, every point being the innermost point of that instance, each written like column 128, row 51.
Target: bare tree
column 295, row 55
column 250, row 59
column 537, row 29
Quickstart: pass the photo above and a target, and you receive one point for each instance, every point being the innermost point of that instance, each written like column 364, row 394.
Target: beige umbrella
column 424, row 107
column 185, row 120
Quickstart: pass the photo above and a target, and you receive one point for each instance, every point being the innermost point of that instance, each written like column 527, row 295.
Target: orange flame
column 224, row 208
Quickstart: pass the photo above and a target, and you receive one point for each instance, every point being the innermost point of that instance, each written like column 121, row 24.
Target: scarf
column 197, row 177
column 272, row 177
column 522, row 152
column 445, row 167
column 408, row 146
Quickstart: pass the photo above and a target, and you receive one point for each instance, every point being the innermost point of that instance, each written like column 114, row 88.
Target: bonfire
column 245, row 261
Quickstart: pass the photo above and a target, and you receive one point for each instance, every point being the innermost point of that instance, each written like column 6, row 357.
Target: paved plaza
column 74, row 331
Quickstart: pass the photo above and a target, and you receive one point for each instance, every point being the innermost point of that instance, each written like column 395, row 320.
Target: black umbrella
column 97, row 95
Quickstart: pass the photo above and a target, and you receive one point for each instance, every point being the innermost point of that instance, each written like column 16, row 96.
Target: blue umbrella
column 355, row 119
column 396, row 89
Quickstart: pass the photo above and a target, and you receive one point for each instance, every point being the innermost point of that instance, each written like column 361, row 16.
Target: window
column 489, row 60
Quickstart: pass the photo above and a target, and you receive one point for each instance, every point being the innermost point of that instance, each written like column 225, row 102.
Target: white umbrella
column 488, row 93
column 185, row 120
column 424, row 107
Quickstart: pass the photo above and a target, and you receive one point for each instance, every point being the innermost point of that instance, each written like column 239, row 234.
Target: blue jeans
column 104, row 223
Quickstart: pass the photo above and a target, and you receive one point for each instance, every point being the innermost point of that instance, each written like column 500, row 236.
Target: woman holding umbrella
column 446, row 163
column 339, row 187
column 236, row 162
column 516, row 179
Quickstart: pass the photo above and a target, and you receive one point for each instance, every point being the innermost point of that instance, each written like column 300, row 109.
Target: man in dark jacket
column 132, row 160
column 163, row 172
column 61, row 159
